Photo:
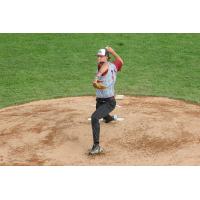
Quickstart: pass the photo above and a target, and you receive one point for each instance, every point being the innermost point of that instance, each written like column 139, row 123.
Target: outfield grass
column 45, row 66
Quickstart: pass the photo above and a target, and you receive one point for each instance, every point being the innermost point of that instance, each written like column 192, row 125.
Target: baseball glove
column 98, row 85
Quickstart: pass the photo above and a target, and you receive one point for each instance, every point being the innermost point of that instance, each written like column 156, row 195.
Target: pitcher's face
column 101, row 58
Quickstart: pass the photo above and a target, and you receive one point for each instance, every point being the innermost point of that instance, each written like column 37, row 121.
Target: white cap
column 102, row 52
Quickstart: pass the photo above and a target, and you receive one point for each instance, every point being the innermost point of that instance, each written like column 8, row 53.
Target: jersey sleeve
column 118, row 64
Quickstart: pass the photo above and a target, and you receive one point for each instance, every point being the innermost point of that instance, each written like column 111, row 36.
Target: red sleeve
column 118, row 64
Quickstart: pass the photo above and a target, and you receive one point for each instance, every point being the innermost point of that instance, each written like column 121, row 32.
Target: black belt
column 106, row 99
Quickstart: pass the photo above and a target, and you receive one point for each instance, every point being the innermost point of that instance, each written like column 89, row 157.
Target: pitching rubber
column 119, row 97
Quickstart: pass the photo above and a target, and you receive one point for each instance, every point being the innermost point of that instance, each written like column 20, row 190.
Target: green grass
column 45, row 66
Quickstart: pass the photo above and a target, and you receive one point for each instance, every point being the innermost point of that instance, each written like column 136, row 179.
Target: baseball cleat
column 115, row 118
column 96, row 149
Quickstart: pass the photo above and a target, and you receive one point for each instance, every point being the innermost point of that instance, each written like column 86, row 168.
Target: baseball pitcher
column 104, row 83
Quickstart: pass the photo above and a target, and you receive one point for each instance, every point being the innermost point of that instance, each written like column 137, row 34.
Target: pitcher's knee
column 94, row 119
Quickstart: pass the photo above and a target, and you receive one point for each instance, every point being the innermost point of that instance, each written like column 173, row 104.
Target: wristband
column 96, row 78
column 98, row 75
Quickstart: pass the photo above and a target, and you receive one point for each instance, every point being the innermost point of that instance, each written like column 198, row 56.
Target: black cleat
column 96, row 149
column 113, row 118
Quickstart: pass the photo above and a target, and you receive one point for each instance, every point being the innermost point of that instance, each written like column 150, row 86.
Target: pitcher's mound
column 155, row 131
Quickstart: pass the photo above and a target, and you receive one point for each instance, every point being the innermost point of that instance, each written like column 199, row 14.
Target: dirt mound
column 156, row 131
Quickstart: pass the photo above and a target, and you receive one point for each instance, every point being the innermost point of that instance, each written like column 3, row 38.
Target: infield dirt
column 156, row 131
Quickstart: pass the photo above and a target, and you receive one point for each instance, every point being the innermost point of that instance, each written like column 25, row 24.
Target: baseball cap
column 103, row 52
